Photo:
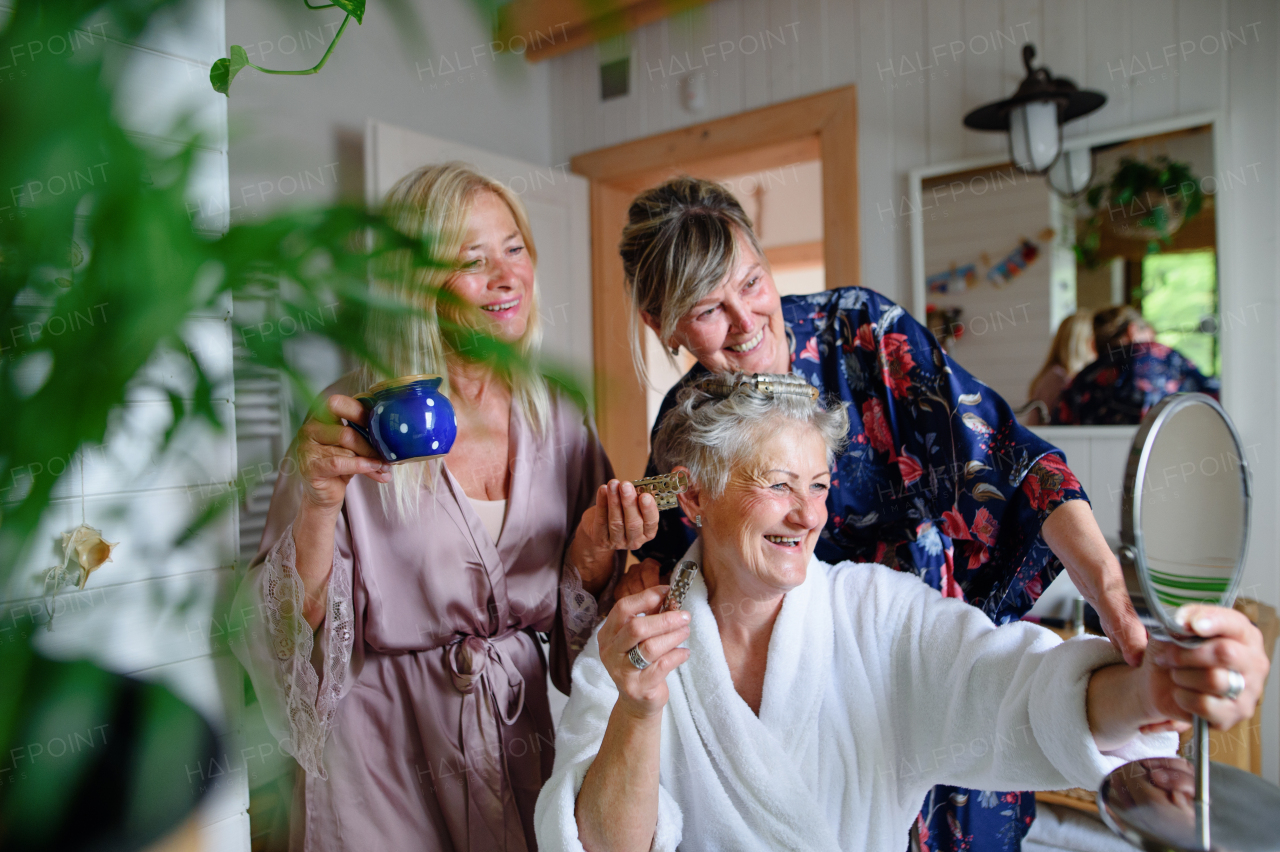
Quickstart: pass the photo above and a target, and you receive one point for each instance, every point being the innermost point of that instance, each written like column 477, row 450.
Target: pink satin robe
column 428, row 725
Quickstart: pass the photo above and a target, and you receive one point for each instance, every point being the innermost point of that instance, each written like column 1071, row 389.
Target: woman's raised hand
column 329, row 453
column 1185, row 681
column 633, row 621
column 621, row 519
column 638, row 578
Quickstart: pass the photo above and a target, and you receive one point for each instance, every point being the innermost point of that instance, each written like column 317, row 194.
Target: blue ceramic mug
column 409, row 419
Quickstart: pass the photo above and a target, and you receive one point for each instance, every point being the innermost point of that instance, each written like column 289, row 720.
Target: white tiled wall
column 151, row 612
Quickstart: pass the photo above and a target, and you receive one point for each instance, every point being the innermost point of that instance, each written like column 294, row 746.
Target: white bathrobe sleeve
column 985, row 707
column 578, row 738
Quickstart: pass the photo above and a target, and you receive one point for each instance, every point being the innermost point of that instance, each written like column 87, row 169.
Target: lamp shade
column 1070, row 175
column 1035, row 138
column 1033, row 116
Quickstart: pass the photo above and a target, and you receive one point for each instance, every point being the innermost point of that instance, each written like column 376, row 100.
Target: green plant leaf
column 226, row 69
column 354, row 8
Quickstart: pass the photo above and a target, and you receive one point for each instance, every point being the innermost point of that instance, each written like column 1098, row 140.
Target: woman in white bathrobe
column 794, row 705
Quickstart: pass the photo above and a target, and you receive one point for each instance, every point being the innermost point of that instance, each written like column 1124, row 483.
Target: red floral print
column 953, row 524
column 1045, row 482
column 984, row 527
column 810, row 350
column 876, row 425
column 896, row 363
column 866, row 338
column 909, row 467
column 949, row 587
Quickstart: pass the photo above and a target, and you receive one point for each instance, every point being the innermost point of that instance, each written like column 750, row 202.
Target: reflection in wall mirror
column 1002, row 261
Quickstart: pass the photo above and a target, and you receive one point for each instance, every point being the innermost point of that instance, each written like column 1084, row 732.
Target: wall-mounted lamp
column 1034, row 116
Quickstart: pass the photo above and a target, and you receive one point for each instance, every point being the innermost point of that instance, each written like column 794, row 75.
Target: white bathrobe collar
column 757, row 758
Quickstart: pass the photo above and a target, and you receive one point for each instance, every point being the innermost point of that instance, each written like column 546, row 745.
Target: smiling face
column 738, row 326
column 495, row 271
column 759, row 535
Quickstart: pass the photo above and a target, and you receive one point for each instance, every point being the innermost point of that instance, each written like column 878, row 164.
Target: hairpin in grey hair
column 769, row 384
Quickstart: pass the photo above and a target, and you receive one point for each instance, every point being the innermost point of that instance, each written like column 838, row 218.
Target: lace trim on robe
column 579, row 609
column 310, row 701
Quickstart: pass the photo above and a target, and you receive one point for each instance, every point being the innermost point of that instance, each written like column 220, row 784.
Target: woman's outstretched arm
column 1173, row 682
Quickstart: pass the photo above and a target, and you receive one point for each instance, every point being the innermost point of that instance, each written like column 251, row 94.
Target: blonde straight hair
column 434, row 203
column 1072, row 347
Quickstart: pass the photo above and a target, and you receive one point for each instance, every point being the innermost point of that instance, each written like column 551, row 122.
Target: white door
column 559, row 213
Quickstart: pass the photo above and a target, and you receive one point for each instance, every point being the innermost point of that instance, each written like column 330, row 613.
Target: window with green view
column 1180, row 300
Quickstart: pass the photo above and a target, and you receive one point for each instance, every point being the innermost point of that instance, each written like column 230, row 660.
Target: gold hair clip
column 664, row 488
column 681, row 580
column 770, row 384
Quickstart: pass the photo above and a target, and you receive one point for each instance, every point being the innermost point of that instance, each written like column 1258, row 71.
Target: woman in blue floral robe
column 1125, row 382
column 939, row 478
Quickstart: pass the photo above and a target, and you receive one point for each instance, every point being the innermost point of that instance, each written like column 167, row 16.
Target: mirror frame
column 919, row 296
column 1132, row 549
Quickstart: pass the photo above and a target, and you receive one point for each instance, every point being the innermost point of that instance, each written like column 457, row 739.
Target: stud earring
column 675, row 350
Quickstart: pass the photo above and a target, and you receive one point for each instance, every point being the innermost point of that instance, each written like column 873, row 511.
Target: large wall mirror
column 1001, row 260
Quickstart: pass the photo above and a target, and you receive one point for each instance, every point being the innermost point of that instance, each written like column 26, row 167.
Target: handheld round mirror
column 1184, row 533
column 1185, row 520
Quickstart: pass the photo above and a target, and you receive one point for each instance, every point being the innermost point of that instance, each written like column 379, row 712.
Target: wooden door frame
column 817, row 127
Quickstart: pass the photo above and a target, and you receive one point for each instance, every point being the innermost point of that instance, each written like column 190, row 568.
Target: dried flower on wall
column 89, row 549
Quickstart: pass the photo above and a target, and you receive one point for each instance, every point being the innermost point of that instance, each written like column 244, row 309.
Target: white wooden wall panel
column 853, row 41
column 1000, row 324
column 944, row 111
column 157, row 93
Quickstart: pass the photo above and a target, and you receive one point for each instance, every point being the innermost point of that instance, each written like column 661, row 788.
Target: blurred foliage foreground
column 99, row 270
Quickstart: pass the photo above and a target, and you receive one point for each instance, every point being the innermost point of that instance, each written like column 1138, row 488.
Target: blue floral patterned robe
column 1122, row 385
column 939, row 479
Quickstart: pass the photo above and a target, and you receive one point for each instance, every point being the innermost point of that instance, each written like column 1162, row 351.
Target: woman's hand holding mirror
column 1186, row 681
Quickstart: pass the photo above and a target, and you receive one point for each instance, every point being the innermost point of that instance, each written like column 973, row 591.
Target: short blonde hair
column 679, row 244
column 434, row 203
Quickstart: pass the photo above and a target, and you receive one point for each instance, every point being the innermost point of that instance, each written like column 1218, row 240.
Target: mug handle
column 367, row 402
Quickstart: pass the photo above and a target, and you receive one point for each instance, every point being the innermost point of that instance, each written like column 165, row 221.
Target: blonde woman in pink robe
column 394, row 649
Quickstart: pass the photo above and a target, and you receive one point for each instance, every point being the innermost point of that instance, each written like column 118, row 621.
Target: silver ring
column 1235, row 685
column 637, row 659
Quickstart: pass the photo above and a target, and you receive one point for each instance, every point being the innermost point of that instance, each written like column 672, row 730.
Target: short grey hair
column 719, row 421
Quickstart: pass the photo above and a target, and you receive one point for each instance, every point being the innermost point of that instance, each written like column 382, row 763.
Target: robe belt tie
column 493, row 692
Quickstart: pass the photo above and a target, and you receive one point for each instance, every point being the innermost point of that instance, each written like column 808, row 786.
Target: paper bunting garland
column 954, row 280
column 957, row 279
column 1013, row 263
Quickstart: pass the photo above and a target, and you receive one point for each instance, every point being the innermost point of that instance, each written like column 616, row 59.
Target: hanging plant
column 226, row 69
column 1142, row 201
